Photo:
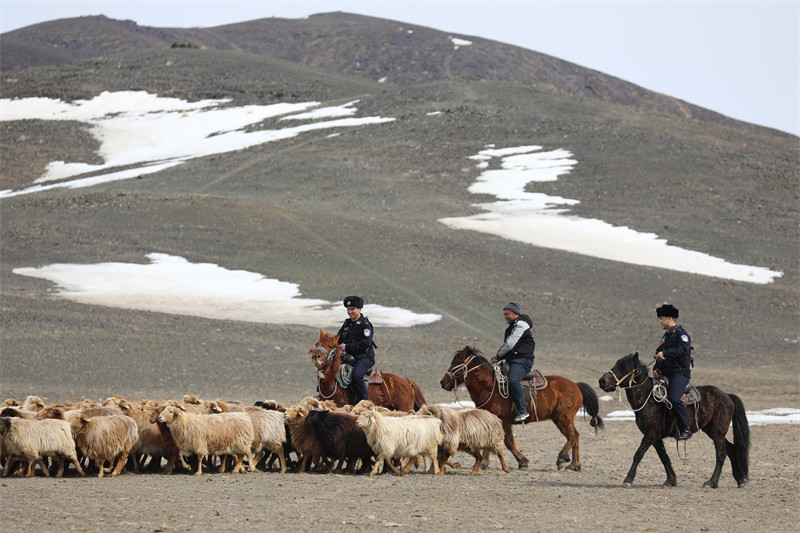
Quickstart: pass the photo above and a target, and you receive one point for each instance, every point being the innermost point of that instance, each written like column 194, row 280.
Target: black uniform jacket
column 357, row 337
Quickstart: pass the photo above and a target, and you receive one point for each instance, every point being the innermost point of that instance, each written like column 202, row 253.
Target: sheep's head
column 52, row 412
column 191, row 399
column 170, row 413
column 365, row 419
column 33, row 403
column 210, row 407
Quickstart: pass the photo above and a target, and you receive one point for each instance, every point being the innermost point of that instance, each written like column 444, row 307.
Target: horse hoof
column 669, row 484
column 523, row 466
column 574, row 468
column 742, row 484
column 627, row 484
column 709, row 485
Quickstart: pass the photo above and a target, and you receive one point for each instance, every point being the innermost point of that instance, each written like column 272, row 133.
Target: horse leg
column 567, row 428
column 672, row 479
column 719, row 448
column 511, row 444
column 637, row 458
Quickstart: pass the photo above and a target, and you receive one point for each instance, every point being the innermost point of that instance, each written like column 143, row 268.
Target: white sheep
column 224, row 433
column 469, row 430
column 106, row 438
column 34, row 439
column 269, row 433
column 404, row 438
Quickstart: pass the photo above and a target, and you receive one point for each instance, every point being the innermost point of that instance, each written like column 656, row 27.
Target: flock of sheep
column 158, row 436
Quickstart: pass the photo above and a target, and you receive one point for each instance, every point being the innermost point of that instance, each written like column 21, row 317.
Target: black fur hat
column 354, row 301
column 667, row 310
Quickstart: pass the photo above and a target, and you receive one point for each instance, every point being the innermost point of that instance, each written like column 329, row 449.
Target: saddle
column 345, row 376
column 533, row 379
column 691, row 395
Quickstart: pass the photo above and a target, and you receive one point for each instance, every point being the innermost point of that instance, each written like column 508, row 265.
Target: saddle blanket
column 345, row 376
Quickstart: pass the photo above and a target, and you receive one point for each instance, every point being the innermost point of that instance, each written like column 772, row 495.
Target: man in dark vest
column 517, row 349
column 674, row 359
column 356, row 344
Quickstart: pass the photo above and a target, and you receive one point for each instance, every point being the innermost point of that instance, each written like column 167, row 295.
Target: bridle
column 464, row 369
column 328, row 358
column 630, row 376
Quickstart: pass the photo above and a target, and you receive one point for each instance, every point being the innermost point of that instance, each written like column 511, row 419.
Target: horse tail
column 591, row 406
column 419, row 398
column 739, row 451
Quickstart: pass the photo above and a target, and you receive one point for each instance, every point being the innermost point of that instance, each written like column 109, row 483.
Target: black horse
column 713, row 415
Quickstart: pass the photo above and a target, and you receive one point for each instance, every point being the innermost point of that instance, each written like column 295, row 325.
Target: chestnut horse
column 558, row 402
column 396, row 392
column 713, row 415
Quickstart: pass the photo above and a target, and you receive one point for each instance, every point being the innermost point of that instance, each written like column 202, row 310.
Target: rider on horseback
column 673, row 359
column 517, row 349
column 355, row 342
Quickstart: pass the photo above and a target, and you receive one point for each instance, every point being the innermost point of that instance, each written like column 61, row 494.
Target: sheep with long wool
column 223, row 433
column 404, row 438
column 105, row 438
column 475, row 431
column 269, row 434
column 34, row 439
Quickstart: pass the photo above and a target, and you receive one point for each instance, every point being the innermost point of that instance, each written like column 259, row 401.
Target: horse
column 713, row 415
column 558, row 402
column 396, row 392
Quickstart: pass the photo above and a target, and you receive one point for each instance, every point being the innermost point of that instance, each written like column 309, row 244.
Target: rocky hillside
column 355, row 45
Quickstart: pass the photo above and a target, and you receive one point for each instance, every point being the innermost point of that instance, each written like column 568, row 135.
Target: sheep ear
column 182, row 408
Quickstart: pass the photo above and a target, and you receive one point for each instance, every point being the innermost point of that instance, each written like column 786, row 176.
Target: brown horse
column 714, row 414
column 396, row 392
column 558, row 402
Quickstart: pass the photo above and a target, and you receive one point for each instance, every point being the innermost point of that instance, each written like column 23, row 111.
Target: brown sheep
column 303, row 438
column 106, row 438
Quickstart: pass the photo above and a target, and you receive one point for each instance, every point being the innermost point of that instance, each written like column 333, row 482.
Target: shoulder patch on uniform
column 367, row 332
column 684, row 338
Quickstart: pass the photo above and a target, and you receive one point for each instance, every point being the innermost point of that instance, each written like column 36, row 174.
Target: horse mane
column 641, row 367
column 471, row 350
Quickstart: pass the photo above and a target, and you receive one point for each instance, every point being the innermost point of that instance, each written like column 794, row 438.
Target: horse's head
column 458, row 369
column 326, row 350
column 626, row 372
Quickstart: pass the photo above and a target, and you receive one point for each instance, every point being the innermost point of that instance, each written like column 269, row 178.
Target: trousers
column 517, row 368
column 360, row 368
column 677, row 384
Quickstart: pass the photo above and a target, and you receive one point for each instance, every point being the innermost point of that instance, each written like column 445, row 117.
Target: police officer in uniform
column 674, row 359
column 517, row 349
column 355, row 342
